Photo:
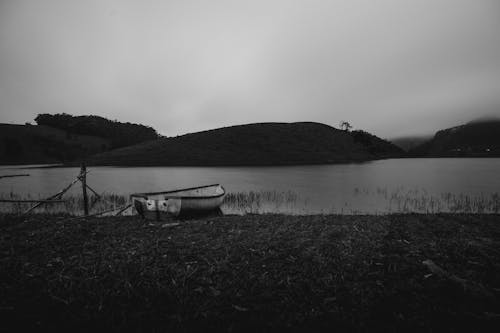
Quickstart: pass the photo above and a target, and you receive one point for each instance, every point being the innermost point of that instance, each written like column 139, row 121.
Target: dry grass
column 73, row 204
column 261, row 202
column 276, row 202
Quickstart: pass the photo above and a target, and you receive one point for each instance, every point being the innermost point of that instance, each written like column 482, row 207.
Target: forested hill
column 255, row 144
column 62, row 138
column 30, row 144
column 119, row 134
column 475, row 139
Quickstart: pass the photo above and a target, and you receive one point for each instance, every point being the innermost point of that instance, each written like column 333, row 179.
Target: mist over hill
column 254, row 144
column 478, row 138
column 408, row 143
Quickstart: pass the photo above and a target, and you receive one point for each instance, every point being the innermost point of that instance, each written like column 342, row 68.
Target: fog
column 392, row 67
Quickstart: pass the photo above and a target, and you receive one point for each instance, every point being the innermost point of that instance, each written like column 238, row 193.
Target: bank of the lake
column 248, row 273
column 431, row 185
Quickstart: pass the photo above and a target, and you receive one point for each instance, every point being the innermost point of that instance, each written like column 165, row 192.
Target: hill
column 254, row 144
column 30, row 144
column 62, row 138
column 475, row 139
column 119, row 134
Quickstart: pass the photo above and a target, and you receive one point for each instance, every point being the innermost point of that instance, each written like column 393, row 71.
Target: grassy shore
column 248, row 273
column 402, row 201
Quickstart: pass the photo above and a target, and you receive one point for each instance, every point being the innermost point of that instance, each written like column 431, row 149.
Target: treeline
column 119, row 134
column 23, row 144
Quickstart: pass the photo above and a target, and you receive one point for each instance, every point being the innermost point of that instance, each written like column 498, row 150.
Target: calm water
column 373, row 187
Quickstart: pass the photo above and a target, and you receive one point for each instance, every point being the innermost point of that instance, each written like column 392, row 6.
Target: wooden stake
column 123, row 209
column 92, row 215
column 472, row 288
column 58, row 195
column 83, row 179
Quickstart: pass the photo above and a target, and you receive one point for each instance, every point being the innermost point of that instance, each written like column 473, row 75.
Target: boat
column 164, row 205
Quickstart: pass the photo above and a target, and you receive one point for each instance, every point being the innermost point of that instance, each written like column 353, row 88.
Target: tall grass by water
column 416, row 200
column 72, row 205
column 362, row 201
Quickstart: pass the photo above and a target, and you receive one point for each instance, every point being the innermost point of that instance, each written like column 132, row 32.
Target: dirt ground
column 251, row 273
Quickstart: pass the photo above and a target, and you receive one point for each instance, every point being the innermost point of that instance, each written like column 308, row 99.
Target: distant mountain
column 254, row 144
column 480, row 138
column 62, row 138
column 38, row 144
column 408, row 143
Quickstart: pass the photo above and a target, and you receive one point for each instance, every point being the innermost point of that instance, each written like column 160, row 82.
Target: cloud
column 183, row 66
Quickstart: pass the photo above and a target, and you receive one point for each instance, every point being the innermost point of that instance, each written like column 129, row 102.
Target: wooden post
column 83, row 175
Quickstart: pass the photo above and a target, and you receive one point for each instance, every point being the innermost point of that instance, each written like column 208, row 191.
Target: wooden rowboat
column 162, row 205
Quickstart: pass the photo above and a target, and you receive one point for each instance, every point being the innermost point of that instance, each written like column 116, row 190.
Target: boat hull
column 165, row 205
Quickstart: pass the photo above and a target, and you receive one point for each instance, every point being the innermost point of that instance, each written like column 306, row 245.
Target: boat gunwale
column 145, row 195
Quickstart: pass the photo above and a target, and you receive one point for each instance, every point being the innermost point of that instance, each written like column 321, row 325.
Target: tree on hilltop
column 346, row 126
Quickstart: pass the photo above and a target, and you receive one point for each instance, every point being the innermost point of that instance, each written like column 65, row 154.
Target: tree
column 119, row 134
column 345, row 125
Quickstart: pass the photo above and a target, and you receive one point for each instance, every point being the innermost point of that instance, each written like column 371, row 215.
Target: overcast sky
column 393, row 67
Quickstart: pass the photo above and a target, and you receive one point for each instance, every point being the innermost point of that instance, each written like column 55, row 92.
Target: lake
column 392, row 185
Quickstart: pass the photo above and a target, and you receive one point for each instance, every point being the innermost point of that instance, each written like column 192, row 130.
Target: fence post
column 83, row 175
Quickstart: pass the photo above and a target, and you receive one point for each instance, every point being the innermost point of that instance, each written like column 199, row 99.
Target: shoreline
column 251, row 273
column 326, row 163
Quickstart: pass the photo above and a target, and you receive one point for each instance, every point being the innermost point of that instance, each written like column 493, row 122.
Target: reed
column 363, row 201
column 72, row 205
column 421, row 202
column 260, row 202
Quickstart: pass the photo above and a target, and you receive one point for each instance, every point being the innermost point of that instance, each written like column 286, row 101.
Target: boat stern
column 153, row 209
